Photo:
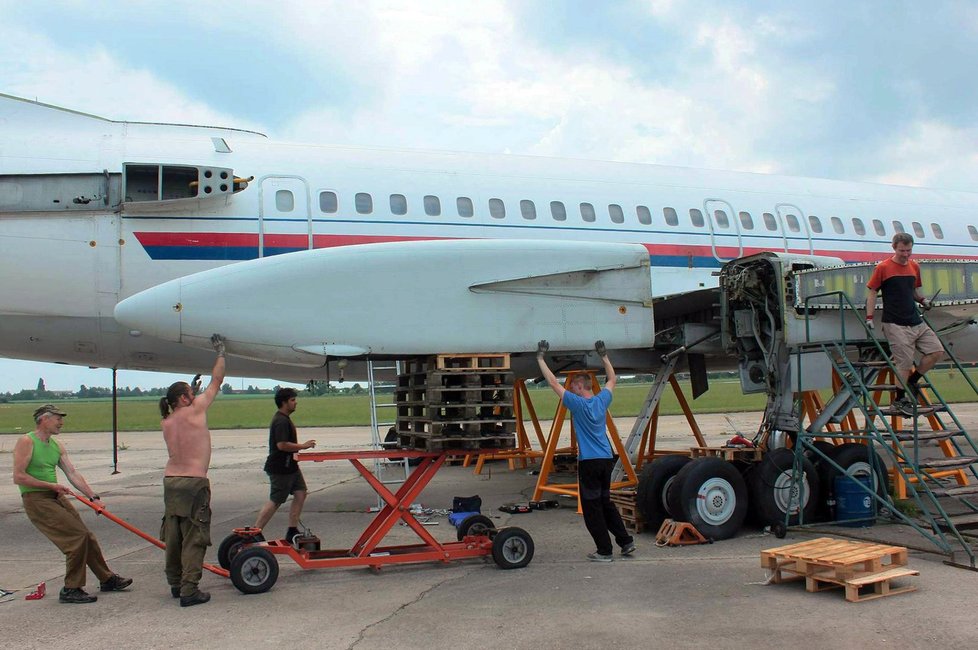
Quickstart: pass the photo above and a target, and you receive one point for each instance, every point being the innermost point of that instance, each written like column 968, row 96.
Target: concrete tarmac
column 706, row 596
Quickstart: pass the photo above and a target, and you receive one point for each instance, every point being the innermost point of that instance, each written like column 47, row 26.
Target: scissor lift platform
column 253, row 564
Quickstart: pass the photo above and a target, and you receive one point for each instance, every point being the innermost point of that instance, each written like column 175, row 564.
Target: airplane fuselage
column 93, row 211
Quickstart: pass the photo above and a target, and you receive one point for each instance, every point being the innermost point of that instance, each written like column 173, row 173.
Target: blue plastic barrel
column 853, row 505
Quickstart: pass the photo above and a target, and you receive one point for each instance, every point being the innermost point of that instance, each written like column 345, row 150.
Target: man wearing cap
column 36, row 457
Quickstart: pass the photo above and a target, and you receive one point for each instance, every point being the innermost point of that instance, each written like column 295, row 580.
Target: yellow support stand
column 553, row 439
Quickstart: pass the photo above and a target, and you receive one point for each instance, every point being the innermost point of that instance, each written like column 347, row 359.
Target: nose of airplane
column 154, row 312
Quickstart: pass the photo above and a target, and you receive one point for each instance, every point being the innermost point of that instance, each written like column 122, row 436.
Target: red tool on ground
column 38, row 592
column 252, row 561
column 100, row 510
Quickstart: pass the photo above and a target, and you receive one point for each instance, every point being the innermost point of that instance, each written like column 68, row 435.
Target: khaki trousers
column 186, row 530
column 54, row 516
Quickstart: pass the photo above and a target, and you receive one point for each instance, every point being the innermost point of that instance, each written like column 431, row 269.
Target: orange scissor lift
column 252, row 561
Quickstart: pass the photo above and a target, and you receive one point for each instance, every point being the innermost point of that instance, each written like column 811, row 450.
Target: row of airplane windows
column 464, row 207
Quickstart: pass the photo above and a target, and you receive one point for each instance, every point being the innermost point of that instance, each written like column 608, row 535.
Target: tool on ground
column 37, row 593
column 515, row 508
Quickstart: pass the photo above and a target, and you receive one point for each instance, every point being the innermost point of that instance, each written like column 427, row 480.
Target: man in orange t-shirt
column 898, row 278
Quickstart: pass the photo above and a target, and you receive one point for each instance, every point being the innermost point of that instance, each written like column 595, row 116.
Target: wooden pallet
column 472, row 362
column 827, row 563
column 624, row 500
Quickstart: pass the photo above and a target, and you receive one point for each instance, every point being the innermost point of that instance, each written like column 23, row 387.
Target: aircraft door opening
column 284, row 220
column 724, row 230
column 795, row 226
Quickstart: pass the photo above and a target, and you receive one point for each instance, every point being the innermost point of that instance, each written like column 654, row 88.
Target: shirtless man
column 186, row 490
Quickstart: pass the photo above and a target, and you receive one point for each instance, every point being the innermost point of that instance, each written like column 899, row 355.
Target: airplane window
column 973, row 232
column 327, row 202
column 793, row 224
column 837, row 225
column 815, row 222
column 918, row 230
column 643, row 214
column 878, row 227
column 528, row 209
column 938, row 233
column 558, row 211
column 284, row 201
column 497, row 209
column 616, row 214
column 857, row 225
column 696, row 218
column 670, row 216
column 398, row 204
column 364, row 203
column 464, row 206
column 432, row 205
column 721, row 219
column 746, row 221
column 898, row 226
column 587, row 212
column 770, row 222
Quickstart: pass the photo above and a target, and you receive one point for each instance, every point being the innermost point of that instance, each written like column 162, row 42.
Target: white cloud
column 933, row 154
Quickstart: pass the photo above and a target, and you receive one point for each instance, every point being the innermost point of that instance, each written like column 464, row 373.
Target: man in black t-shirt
column 282, row 469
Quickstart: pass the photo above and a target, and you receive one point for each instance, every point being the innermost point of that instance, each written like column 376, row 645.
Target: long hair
column 168, row 404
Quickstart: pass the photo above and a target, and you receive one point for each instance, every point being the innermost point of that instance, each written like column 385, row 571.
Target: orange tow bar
column 101, row 510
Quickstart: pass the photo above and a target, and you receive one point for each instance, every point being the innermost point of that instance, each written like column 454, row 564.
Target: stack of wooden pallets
column 863, row 569
column 460, row 401
column 624, row 500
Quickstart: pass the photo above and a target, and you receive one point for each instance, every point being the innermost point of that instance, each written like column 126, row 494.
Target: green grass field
column 255, row 411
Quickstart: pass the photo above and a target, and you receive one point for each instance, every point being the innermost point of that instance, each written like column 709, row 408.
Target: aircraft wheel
column 475, row 525
column 773, row 495
column 254, row 570
column 822, row 470
column 512, row 548
column 653, row 484
column 854, row 458
column 712, row 496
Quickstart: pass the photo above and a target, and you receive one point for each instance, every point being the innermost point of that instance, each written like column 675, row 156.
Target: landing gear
column 710, row 494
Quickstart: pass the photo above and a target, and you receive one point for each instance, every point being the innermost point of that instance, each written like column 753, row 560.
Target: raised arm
column 542, row 348
column 609, row 370
column 204, row 400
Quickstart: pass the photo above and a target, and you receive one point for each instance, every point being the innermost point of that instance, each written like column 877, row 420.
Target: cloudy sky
column 878, row 91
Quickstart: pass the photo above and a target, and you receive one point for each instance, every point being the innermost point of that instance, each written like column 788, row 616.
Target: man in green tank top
column 37, row 456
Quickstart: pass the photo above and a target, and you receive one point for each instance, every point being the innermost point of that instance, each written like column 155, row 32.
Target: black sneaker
column 199, row 598
column 74, row 596
column 904, row 406
column 628, row 549
column 175, row 592
column 115, row 583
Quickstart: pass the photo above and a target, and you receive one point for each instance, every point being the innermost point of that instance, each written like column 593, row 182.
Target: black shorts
column 282, row 485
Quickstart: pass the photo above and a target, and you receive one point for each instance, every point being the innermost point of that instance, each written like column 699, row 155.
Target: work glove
column 543, row 347
column 869, row 324
column 926, row 304
column 218, row 342
column 600, row 348
column 195, row 384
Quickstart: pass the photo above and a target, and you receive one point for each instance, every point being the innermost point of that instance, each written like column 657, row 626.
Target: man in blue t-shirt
column 595, row 461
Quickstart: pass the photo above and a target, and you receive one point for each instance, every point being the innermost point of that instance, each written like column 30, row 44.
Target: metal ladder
column 901, row 446
column 390, row 472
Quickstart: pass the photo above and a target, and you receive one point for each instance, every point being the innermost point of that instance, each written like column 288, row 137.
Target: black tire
column 390, row 442
column 822, row 512
column 712, row 496
column 772, row 494
column 653, row 482
column 475, row 525
column 254, row 570
column 512, row 548
column 228, row 549
column 854, row 458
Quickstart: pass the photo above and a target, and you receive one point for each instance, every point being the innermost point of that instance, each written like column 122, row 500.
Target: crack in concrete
column 421, row 596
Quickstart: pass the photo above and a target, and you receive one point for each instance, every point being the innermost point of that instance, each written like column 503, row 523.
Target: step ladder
column 868, row 381
column 387, row 471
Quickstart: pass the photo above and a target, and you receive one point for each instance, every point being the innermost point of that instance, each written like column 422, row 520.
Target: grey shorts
column 282, row 485
column 905, row 339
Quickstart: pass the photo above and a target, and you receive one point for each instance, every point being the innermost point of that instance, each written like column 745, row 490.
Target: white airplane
column 390, row 253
